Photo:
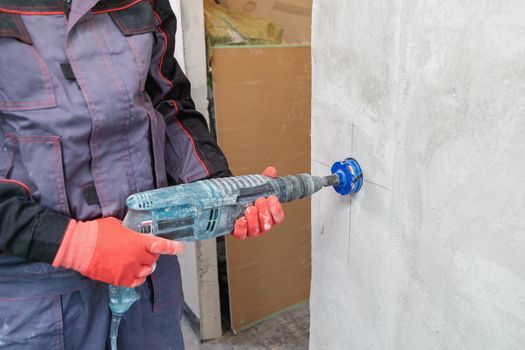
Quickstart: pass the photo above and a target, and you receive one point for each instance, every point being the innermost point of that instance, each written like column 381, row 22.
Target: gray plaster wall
column 429, row 95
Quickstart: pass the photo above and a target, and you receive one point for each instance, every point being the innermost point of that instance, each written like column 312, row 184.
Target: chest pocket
column 137, row 23
column 25, row 81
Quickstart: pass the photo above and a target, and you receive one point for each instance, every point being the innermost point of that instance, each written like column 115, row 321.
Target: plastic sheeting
column 225, row 27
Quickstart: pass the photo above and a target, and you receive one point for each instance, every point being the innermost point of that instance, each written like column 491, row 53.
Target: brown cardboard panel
column 262, row 101
column 294, row 16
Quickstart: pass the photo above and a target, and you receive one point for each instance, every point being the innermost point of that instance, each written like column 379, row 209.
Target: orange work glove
column 106, row 251
column 260, row 218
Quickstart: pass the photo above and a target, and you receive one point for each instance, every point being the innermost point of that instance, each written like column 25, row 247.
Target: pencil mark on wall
column 375, row 184
column 322, row 163
column 349, row 235
column 350, row 219
column 352, row 148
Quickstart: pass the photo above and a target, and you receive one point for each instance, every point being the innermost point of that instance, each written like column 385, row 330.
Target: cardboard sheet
column 262, row 101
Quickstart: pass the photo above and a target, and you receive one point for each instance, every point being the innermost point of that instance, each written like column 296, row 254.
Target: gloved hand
column 106, row 251
column 260, row 218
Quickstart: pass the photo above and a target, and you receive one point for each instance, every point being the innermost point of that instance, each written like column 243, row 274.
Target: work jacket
column 93, row 108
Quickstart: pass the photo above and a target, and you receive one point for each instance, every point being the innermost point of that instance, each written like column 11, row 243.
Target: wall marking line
column 350, row 219
column 322, row 163
column 378, row 185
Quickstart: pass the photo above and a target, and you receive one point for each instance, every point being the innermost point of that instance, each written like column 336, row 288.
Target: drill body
column 208, row 208
column 203, row 210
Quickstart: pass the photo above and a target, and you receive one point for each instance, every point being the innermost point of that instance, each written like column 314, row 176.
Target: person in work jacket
column 93, row 108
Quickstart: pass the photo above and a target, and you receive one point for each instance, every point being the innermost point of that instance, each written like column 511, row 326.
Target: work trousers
column 79, row 319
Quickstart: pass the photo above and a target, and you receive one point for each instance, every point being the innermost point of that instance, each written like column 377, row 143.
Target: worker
column 93, row 108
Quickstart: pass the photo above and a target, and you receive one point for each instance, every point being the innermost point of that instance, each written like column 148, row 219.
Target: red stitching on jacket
column 191, row 139
column 116, row 8
column 48, row 88
column 33, row 138
column 171, row 85
column 61, row 12
column 26, row 104
column 19, row 183
column 32, row 7
column 31, row 13
column 164, row 50
column 46, row 76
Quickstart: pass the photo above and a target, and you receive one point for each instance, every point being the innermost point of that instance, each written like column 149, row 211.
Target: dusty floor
column 286, row 331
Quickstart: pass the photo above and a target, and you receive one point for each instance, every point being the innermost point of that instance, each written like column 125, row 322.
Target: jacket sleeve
column 27, row 229
column 191, row 153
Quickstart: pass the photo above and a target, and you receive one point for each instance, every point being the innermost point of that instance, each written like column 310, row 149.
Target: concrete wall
column 430, row 97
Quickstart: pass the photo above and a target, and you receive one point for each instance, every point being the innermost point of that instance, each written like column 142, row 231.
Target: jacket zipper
column 67, row 7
